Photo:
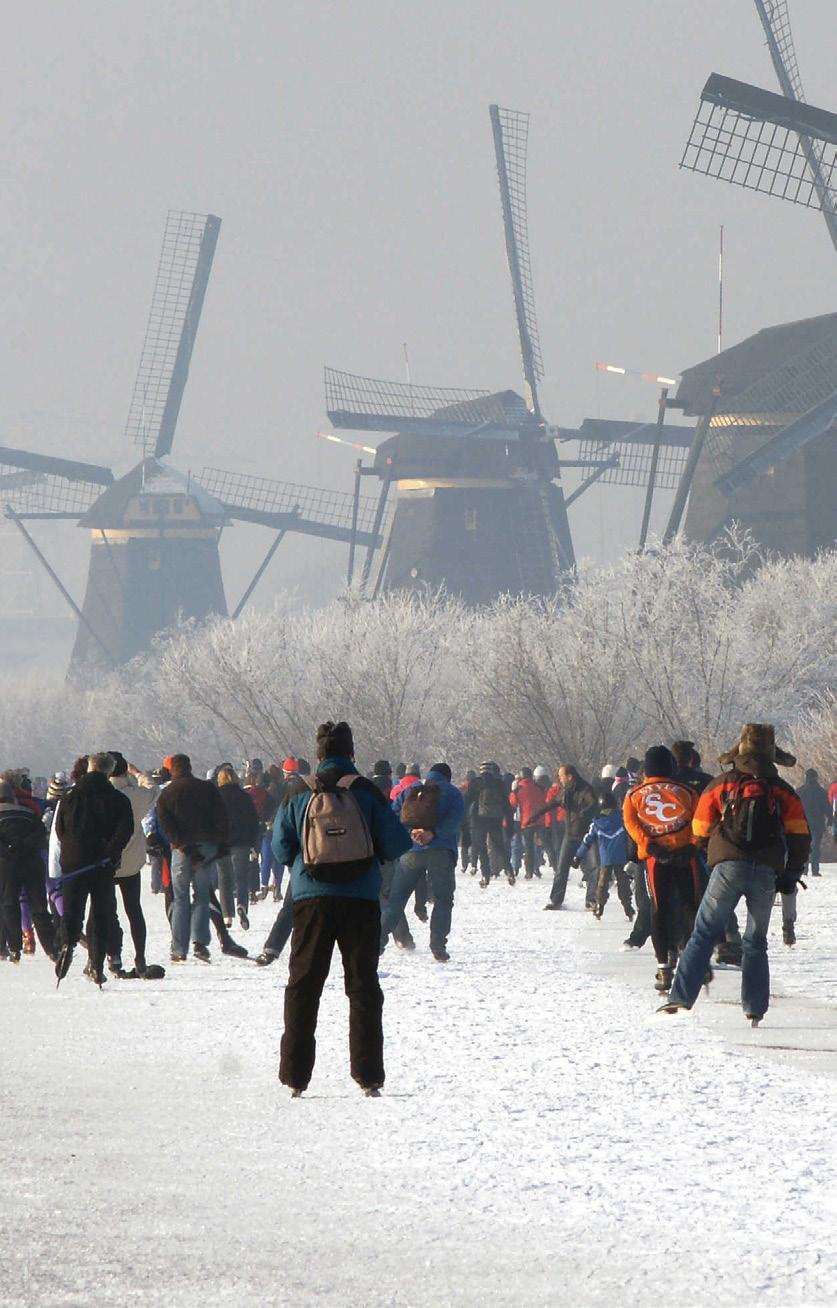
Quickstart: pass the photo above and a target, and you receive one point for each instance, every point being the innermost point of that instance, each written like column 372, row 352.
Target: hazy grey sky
column 347, row 149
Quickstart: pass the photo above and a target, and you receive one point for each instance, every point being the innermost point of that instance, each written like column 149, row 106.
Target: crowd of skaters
column 216, row 844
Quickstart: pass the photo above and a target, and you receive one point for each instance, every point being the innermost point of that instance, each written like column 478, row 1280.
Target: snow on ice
column 543, row 1137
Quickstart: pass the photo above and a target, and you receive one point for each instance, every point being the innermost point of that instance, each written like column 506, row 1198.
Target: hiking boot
column 29, row 942
column 663, row 979
column 265, row 960
column 440, row 954
column 788, row 933
column 243, row 918
column 483, row 882
column 200, row 951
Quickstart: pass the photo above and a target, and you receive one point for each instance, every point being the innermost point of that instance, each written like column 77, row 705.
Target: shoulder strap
column 346, row 782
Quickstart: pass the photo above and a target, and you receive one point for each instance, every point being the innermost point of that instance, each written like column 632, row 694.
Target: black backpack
column 750, row 815
column 492, row 799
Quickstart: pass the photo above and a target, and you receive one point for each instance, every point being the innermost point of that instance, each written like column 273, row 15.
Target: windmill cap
column 290, row 765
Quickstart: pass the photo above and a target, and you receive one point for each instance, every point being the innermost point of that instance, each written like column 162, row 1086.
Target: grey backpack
column 336, row 844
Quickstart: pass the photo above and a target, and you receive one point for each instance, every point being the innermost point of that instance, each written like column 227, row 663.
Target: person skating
column 193, row 819
column 658, row 816
column 607, row 830
column 753, row 823
column 489, row 813
column 401, row 934
column 432, row 811
column 93, row 824
column 243, row 835
column 336, row 902
column 579, row 804
column 817, row 812
column 528, row 800
column 23, row 842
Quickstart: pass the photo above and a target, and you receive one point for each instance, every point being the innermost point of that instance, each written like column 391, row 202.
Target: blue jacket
column 389, row 838
column 451, row 813
column 609, row 831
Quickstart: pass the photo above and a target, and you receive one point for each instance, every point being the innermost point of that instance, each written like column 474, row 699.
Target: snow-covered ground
column 543, row 1138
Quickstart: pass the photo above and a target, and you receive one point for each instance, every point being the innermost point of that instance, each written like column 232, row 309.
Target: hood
column 437, row 779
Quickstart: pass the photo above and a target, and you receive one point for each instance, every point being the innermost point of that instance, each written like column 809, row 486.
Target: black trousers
column 354, row 925
column 489, row 847
column 569, row 845
column 98, row 885
column 31, row 878
column 672, row 891
column 129, row 888
column 280, row 932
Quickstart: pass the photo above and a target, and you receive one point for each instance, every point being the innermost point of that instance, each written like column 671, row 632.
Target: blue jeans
column 439, row 865
column 729, row 882
column 234, row 880
column 190, row 921
column 268, row 864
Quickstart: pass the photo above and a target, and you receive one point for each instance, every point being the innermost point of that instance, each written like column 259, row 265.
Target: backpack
column 420, row 809
column 336, row 842
column 750, row 814
column 491, row 800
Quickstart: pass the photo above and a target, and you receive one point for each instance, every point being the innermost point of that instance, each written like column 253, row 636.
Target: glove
column 576, row 862
column 787, row 881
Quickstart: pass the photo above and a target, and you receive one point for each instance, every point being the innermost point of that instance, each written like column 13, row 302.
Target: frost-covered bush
column 682, row 641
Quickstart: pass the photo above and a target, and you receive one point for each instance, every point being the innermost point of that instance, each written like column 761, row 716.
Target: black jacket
column 189, row 811
column 817, row 808
column 242, row 818
column 93, row 822
column 23, row 839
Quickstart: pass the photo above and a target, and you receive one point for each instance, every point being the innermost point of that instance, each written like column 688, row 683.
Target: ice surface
column 543, row 1138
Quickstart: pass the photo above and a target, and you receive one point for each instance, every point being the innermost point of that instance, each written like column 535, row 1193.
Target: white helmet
column 540, row 773
column 608, row 772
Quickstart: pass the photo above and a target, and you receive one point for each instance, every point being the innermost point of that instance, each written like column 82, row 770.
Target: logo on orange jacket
column 663, row 807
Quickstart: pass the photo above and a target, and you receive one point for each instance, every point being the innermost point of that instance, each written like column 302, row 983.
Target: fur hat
column 759, row 738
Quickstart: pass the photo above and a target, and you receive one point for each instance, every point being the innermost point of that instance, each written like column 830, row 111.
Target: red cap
column 290, row 765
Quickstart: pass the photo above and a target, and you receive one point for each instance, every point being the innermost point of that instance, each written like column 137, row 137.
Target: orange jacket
column 793, row 851
column 659, row 810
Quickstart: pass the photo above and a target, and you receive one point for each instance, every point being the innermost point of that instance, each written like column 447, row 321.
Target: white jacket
column 142, row 797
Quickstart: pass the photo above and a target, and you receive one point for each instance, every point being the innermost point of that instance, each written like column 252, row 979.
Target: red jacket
column 409, row 780
column 527, row 799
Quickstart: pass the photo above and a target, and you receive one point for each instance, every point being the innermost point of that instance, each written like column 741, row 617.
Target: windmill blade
column 69, row 469
column 369, row 404
column 775, row 19
column 762, row 141
column 787, row 442
column 310, row 510
column 511, row 132
column 600, row 438
column 183, row 272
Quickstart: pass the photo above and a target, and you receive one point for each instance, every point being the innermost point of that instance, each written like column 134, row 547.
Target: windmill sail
column 511, row 132
column 775, row 19
column 186, row 258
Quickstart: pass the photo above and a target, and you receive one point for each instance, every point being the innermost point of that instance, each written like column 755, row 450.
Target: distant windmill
column 155, row 531
column 765, row 448
column 480, row 502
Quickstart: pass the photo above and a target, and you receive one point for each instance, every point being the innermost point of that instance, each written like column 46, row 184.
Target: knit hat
column 659, row 762
column 489, row 767
column 442, row 769
column 382, row 768
column 540, row 773
column 759, row 738
column 335, row 740
column 290, row 765
column 608, row 772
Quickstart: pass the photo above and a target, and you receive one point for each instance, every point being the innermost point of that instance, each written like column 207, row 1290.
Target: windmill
column 155, row 531
column 765, row 447
column 480, row 506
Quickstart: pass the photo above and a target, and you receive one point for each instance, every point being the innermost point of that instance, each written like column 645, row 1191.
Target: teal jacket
column 389, row 838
